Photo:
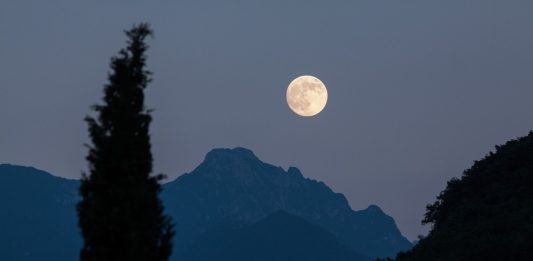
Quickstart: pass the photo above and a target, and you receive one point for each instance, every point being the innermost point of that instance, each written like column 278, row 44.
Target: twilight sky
column 418, row 89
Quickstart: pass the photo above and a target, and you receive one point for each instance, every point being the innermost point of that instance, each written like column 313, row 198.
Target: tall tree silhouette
column 120, row 214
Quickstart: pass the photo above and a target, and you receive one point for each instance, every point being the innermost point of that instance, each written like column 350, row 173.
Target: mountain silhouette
column 38, row 216
column 233, row 185
column 487, row 214
column 279, row 236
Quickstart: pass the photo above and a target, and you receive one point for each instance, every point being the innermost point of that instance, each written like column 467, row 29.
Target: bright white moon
column 307, row 95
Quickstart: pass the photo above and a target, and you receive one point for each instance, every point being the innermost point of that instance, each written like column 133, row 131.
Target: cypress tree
column 120, row 215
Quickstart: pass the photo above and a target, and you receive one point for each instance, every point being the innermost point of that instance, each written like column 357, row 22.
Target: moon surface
column 307, row 95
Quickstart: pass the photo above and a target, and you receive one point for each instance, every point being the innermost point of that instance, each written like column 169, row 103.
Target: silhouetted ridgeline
column 234, row 185
column 487, row 214
column 38, row 215
column 230, row 196
column 279, row 236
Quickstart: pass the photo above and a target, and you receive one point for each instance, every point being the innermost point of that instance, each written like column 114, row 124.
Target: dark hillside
column 487, row 214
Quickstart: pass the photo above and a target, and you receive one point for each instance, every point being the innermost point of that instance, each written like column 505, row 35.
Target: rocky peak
column 234, row 185
column 374, row 209
column 223, row 155
column 238, row 166
column 293, row 171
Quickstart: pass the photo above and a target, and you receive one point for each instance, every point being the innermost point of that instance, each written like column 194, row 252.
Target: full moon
column 307, row 95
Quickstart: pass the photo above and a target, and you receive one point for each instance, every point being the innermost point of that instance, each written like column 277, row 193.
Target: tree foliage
column 487, row 214
column 120, row 214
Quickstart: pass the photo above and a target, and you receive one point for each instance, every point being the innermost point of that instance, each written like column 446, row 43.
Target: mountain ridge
column 234, row 184
column 229, row 185
column 279, row 236
column 38, row 216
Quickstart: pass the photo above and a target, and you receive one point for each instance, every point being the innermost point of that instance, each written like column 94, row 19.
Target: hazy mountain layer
column 38, row 218
column 279, row 236
column 234, row 185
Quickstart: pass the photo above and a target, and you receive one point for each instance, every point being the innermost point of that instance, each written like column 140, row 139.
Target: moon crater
column 307, row 95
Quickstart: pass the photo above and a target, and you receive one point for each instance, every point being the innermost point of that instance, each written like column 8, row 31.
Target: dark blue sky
column 417, row 89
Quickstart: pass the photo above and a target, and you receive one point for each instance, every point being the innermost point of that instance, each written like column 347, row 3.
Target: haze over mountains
column 234, row 185
column 37, row 218
column 279, row 236
column 232, row 204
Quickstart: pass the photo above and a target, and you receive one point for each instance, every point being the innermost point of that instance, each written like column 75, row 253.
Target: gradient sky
column 418, row 90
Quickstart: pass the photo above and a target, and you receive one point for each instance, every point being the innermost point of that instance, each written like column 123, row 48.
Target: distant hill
column 279, row 236
column 234, row 185
column 487, row 214
column 38, row 216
